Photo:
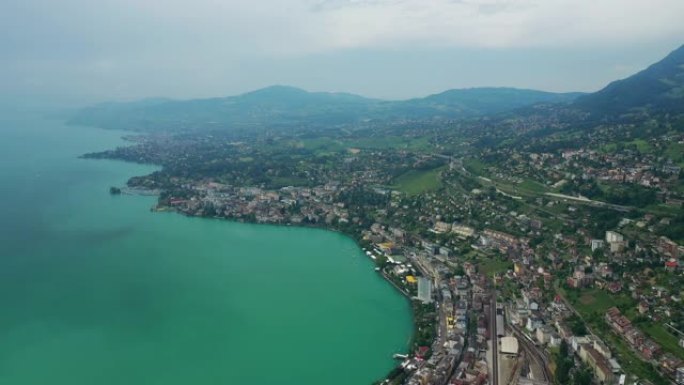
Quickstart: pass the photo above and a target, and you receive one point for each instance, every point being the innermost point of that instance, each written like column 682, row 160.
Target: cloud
column 496, row 23
column 309, row 26
column 203, row 47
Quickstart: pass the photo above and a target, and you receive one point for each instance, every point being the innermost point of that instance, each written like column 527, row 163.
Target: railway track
column 533, row 352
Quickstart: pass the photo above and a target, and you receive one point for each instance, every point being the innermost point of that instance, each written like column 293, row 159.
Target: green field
column 640, row 144
column 331, row 145
column 597, row 301
column 532, row 186
column 491, row 266
column 475, row 166
column 675, row 151
column 416, row 182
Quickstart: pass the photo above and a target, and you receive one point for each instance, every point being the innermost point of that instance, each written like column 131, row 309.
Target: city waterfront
column 98, row 289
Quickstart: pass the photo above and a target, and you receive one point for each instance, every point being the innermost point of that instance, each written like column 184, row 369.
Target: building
column 509, row 345
column 598, row 363
column 463, row 231
column 680, row 376
column 613, row 237
column 596, row 244
column 424, row 290
column 499, row 325
column 442, row 227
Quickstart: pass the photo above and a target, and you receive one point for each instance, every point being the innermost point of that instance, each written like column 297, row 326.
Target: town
column 526, row 266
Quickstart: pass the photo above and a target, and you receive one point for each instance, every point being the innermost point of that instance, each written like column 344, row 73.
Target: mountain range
column 283, row 105
column 658, row 88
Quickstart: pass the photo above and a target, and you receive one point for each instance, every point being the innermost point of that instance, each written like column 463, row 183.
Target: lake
column 97, row 289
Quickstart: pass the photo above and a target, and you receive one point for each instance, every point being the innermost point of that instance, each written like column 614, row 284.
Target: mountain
column 658, row 88
column 483, row 101
column 278, row 106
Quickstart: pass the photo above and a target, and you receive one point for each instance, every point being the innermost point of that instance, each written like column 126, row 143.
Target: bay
column 96, row 289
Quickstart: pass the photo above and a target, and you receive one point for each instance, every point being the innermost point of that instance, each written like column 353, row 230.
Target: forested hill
column 659, row 88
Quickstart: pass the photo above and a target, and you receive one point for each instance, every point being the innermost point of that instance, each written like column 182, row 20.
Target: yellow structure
column 411, row 279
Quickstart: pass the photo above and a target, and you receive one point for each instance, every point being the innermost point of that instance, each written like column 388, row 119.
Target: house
column 671, row 265
column 615, row 287
column 555, row 340
column 596, row 244
column 543, row 334
column 533, row 322
column 463, row 231
column 613, row 237
column 649, row 349
column 616, row 320
column 442, row 227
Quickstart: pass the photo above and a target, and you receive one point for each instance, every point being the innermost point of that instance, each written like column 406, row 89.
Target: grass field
column 475, row 166
column 491, row 266
column 640, row 144
column 415, row 182
column 533, row 186
column 675, row 151
column 327, row 144
column 598, row 301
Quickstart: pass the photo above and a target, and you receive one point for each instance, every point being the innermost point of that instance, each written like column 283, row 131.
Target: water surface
column 96, row 289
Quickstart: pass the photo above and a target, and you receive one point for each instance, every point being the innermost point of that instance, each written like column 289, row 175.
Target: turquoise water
column 96, row 289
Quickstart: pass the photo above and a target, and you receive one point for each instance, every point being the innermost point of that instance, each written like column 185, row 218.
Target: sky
column 85, row 51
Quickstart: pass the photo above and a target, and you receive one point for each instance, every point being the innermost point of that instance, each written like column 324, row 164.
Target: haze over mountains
column 657, row 88
column 282, row 105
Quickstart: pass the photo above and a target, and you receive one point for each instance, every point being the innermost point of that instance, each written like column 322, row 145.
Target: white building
column 614, row 237
column 509, row 345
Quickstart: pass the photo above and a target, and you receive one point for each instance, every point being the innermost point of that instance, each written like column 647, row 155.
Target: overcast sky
column 91, row 50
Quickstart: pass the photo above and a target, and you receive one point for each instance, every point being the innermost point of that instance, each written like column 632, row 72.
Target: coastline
column 357, row 242
column 357, row 238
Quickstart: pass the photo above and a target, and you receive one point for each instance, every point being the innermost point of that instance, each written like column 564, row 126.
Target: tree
column 582, row 377
column 381, row 261
column 563, row 365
